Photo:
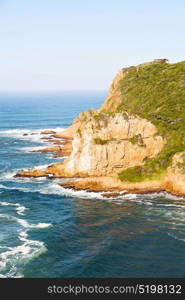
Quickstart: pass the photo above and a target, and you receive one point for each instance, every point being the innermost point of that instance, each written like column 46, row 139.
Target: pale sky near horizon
column 80, row 45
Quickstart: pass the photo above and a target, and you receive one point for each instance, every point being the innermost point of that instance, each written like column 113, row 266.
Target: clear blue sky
column 80, row 45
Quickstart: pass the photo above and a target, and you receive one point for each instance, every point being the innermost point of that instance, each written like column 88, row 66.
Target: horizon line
column 51, row 92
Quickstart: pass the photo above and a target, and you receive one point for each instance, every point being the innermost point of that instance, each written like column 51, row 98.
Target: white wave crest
column 20, row 132
column 25, row 224
column 41, row 167
column 11, row 259
column 54, row 188
column 34, row 148
column 7, row 175
column 32, row 135
column 19, row 208
column 175, row 237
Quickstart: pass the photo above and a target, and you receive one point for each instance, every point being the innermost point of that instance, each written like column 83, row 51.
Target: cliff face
column 136, row 140
column 108, row 144
column 175, row 178
column 114, row 98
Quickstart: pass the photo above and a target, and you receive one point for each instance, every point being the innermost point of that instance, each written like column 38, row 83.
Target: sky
column 69, row 45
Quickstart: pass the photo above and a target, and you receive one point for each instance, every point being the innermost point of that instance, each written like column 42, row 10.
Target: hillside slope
column 137, row 136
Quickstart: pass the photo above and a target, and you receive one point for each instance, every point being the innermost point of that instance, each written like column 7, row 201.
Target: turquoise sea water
column 46, row 231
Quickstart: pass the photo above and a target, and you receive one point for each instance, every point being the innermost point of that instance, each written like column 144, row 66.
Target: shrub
column 99, row 141
column 156, row 91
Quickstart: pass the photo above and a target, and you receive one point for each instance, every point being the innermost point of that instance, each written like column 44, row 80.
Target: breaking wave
column 12, row 258
column 27, row 134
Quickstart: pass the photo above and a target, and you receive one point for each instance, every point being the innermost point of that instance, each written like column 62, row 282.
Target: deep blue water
column 46, row 231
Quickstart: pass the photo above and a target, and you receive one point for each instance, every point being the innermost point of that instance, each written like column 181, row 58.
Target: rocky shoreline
column 108, row 149
column 108, row 186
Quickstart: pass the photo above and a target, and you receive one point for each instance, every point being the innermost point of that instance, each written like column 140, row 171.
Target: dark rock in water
column 25, row 134
column 46, row 138
column 50, row 176
column 111, row 195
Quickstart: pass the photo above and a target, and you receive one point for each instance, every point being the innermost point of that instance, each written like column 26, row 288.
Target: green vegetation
column 125, row 115
column 98, row 116
column 99, row 141
column 103, row 118
column 156, row 91
column 137, row 140
column 79, row 132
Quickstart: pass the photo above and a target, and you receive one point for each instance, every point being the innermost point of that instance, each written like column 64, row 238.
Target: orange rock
column 69, row 132
column 61, row 154
column 56, row 142
column 48, row 132
column 102, row 184
column 100, row 145
column 49, row 149
column 31, row 173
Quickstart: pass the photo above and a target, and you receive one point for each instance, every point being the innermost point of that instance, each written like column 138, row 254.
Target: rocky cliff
column 135, row 141
column 107, row 144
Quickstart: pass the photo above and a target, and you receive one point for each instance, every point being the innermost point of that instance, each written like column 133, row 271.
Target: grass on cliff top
column 99, row 141
column 156, row 92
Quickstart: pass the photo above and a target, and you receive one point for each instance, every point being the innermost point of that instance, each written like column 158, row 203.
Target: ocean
column 47, row 231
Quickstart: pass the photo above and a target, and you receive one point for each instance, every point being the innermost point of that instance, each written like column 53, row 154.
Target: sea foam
column 21, row 254
column 25, row 224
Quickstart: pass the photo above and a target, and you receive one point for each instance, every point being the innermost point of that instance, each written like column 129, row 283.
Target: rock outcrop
column 174, row 181
column 106, row 145
column 114, row 98
column 136, row 129
column 48, row 149
column 31, row 173
column 47, row 131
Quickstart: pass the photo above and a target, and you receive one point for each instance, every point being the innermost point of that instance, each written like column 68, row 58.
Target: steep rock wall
column 104, row 146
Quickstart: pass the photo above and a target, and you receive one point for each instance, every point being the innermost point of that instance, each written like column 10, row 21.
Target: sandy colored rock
column 175, row 177
column 118, row 152
column 31, row 173
column 61, row 154
column 46, row 138
column 101, row 184
column 56, row 170
column 67, row 133
column 99, row 144
column 49, row 149
column 136, row 191
column 114, row 95
column 48, row 132
column 172, row 182
column 56, row 142
column 65, row 151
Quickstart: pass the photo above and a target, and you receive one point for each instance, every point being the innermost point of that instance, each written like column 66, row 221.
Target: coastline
column 117, row 147
column 109, row 186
